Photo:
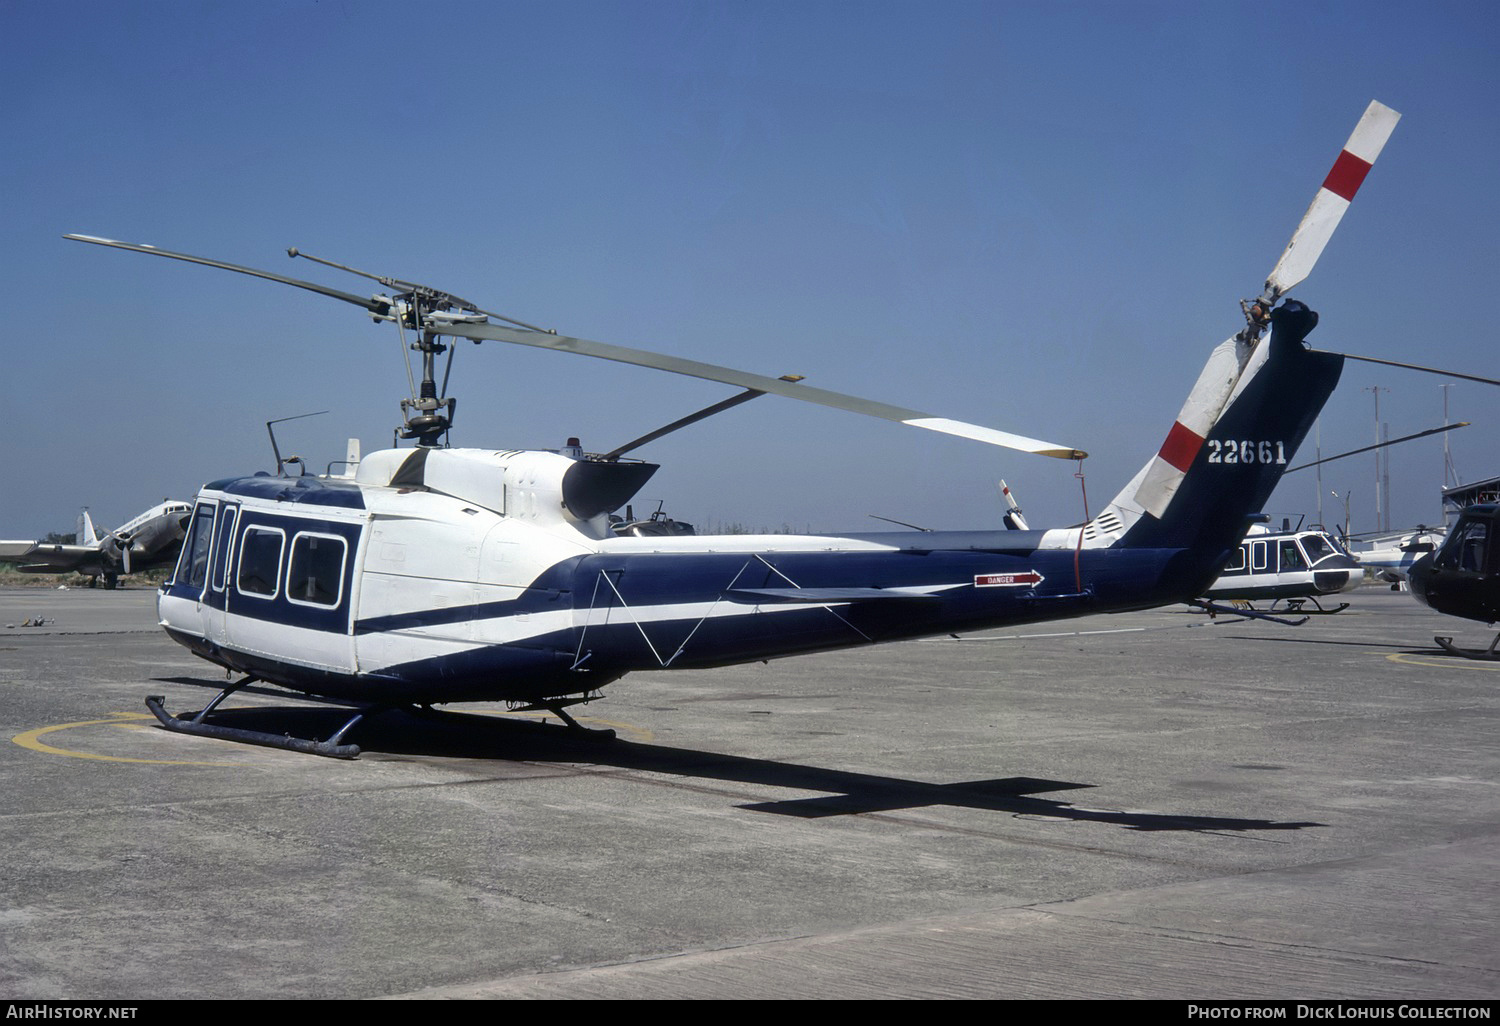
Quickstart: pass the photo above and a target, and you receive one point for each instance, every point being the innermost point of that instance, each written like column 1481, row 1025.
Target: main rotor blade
column 1381, row 445
column 1417, row 367
column 761, row 383
column 375, row 306
column 1328, row 206
column 641, row 358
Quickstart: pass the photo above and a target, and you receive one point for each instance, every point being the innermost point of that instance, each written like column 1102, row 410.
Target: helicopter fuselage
column 1286, row 565
column 440, row 575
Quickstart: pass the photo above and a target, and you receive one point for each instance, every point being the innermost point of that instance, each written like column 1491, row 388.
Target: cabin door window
column 315, row 573
column 228, row 516
column 260, row 562
column 1291, row 557
column 1257, row 556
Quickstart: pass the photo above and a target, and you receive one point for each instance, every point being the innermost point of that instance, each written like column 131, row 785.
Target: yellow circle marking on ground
column 32, row 739
column 1451, row 661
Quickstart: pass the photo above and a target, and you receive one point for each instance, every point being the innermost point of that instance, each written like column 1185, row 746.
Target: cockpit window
column 192, row 569
column 1466, row 548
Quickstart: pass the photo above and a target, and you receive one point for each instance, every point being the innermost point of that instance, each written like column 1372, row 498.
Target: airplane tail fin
column 1242, row 424
column 86, row 533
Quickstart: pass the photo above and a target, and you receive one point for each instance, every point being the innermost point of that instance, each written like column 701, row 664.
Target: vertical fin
column 1213, row 483
column 86, row 533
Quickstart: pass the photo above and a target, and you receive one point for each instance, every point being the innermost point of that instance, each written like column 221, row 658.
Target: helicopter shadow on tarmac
column 476, row 736
column 1399, row 648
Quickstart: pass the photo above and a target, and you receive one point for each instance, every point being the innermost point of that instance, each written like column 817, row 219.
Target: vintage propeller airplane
column 152, row 539
column 437, row 575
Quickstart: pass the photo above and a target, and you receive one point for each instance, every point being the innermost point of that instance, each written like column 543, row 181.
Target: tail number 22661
column 1247, row 451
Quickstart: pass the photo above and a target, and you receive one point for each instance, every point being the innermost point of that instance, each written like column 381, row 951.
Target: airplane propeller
column 122, row 548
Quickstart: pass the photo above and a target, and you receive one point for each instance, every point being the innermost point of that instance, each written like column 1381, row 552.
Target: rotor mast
column 426, row 416
column 428, row 425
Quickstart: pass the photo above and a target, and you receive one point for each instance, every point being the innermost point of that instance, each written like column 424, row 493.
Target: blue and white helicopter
column 434, row 575
column 1291, row 566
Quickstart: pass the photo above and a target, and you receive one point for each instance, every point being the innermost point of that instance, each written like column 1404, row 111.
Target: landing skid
column 195, row 724
column 1488, row 654
column 1298, row 605
column 1213, row 609
column 332, row 748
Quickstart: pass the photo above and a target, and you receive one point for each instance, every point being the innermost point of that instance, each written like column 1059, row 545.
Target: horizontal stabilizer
column 47, row 553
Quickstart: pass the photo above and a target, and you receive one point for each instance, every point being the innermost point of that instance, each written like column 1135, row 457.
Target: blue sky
column 1035, row 216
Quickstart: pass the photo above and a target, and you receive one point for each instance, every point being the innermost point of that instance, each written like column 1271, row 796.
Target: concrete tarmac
column 1148, row 805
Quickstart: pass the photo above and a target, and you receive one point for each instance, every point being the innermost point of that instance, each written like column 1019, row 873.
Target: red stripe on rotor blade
column 1181, row 447
column 1347, row 174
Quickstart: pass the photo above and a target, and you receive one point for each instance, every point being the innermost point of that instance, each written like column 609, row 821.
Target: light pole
column 1381, row 523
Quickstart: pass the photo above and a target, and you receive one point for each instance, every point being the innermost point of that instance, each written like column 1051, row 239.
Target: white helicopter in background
column 1391, row 559
column 1297, row 566
column 1291, row 566
column 436, row 575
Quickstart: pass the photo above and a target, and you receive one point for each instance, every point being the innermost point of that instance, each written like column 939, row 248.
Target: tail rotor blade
column 1328, row 206
column 1014, row 520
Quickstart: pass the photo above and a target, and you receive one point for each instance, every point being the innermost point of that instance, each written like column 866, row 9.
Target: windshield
column 1317, row 547
column 1466, row 547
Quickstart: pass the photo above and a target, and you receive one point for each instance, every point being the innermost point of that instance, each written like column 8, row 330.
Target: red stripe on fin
column 1181, row 447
